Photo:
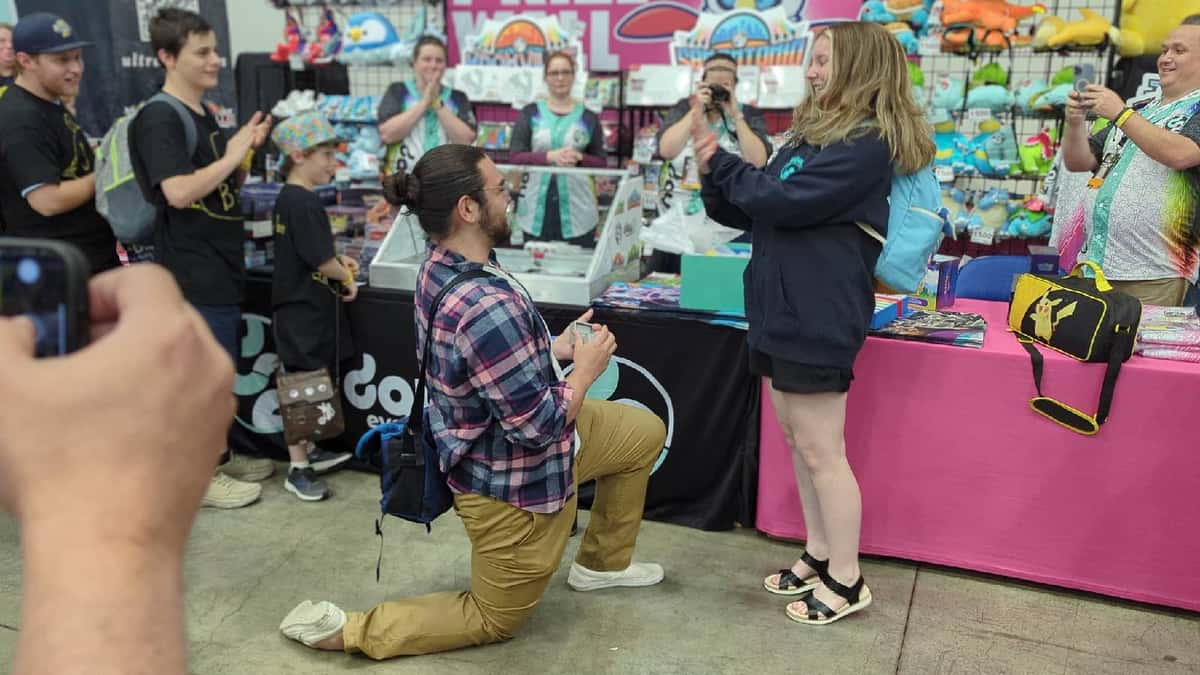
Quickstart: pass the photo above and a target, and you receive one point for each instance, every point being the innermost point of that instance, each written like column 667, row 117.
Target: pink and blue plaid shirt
column 497, row 408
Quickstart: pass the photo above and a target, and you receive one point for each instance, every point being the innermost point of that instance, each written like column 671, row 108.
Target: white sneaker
column 252, row 469
column 637, row 574
column 226, row 493
column 312, row 623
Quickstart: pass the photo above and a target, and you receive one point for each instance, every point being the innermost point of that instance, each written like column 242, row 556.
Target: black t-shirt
column 202, row 244
column 42, row 144
column 6, row 81
column 305, row 303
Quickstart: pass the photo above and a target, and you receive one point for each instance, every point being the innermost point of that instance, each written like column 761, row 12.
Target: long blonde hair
column 868, row 89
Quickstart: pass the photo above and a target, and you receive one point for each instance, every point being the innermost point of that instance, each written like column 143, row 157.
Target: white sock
column 300, row 465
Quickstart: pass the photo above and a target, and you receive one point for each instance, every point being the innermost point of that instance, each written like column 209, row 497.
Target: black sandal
column 790, row 584
column 817, row 613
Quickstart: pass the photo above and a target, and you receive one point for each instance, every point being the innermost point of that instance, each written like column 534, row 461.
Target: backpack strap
column 1035, row 357
column 1115, row 354
column 416, row 418
column 185, row 115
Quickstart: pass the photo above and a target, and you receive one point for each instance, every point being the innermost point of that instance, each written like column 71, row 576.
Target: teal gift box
column 713, row 282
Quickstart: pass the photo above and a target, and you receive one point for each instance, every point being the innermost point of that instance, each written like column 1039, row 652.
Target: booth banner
column 706, row 474
column 120, row 68
column 618, row 34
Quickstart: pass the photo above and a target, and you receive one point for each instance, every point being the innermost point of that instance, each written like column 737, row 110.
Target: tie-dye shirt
column 1142, row 222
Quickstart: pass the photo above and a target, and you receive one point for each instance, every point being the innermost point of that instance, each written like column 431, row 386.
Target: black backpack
column 411, row 481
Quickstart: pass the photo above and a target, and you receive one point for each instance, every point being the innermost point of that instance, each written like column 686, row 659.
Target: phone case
column 76, row 273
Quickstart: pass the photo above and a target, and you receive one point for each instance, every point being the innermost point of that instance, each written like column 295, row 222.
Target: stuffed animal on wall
column 995, row 20
column 1087, row 32
column 1037, row 153
column 992, row 73
column 948, row 93
column 917, row 77
column 371, row 39
column 326, row 42
column 293, row 40
column 1146, row 23
column 876, row 12
column 905, row 35
column 991, row 97
column 1028, row 91
column 995, row 148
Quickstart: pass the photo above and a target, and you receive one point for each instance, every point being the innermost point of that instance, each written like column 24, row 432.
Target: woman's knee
column 817, row 454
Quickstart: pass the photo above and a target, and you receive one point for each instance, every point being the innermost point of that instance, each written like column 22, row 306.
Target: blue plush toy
column 947, row 93
column 875, row 12
column 991, row 97
column 1027, row 92
column 371, row 39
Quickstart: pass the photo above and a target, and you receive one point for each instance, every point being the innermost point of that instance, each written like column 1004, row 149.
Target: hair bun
column 402, row 189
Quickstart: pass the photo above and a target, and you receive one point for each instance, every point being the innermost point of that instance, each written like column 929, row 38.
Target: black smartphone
column 47, row 282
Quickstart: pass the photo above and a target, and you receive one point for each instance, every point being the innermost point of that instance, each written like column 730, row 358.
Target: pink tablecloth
column 956, row 469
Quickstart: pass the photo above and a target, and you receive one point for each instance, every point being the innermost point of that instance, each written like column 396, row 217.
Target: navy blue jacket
column 810, row 281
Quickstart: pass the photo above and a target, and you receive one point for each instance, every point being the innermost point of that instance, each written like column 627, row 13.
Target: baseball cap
column 303, row 132
column 44, row 33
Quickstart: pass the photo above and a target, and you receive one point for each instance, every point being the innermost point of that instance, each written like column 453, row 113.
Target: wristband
column 248, row 161
column 1123, row 117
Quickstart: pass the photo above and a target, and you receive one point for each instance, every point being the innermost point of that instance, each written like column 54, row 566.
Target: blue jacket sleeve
column 829, row 187
column 719, row 208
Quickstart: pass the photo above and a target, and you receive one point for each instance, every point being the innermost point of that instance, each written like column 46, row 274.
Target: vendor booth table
column 956, row 469
column 691, row 374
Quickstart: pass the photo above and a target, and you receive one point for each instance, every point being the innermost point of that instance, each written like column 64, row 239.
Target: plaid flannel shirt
column 497, row 408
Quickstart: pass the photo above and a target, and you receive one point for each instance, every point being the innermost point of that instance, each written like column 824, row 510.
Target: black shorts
column 799, row 378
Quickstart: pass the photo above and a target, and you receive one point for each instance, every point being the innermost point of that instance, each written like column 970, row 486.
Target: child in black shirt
column 311, row 331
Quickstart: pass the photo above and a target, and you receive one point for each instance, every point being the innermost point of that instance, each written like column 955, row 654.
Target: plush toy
column 994, row 148
column 1028, row 91
column 1088, row 32
column 904, row 33
column 991, row 211
column 917, row 77
column 992, row 73
column 944, row 132
column 995, row 21
column 907, row 10
column 1146, row 23
column 1046, row 29
column 371, row 39
column 293, row 40
column 991, row 97
column 876, row 12
column 1037, row 153
column 948, row 93
column 327, row 42
column 1030, row 220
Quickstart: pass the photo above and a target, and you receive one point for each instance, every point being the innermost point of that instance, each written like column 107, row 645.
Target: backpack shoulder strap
column 185, row 115
column 1116, row 356
column 415, row 416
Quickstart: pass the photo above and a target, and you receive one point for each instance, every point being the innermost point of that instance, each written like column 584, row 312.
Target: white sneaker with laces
column 637, row 574
column 226, row 493
column 310, row 623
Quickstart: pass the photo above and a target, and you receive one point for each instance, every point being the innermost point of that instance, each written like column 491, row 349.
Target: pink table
column 957, row 470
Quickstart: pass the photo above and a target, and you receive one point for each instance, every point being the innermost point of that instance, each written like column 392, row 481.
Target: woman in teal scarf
column 558, row 132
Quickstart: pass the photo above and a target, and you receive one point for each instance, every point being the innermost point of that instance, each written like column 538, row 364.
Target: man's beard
column 497, row 229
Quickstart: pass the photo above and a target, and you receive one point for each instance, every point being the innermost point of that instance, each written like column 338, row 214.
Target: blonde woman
column 810, row 281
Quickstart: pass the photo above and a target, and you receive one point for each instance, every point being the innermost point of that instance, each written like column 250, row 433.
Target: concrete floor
column 247, row 568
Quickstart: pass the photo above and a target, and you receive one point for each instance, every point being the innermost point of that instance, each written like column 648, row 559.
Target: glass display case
column 554, row 272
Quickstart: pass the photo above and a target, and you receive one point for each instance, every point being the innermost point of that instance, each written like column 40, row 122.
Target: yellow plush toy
column 1086, row 33
column 1146, row 23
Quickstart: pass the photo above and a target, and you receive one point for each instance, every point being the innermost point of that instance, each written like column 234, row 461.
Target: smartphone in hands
column 46, row 281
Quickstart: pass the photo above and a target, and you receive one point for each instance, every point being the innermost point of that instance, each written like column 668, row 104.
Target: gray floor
column 247, row 568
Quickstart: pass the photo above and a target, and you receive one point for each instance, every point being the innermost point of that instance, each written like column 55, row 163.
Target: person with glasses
column 514, row 434
column 558, row 132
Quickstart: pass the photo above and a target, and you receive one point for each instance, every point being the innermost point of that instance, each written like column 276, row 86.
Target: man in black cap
column 47, row 168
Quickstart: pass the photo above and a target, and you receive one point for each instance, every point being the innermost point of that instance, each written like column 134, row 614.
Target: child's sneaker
column 324, row 461
column 304, row 484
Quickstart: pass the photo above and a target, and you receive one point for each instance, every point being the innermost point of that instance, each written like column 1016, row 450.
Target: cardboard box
column 713, row 283
column 937, row 289
column 1043, row 260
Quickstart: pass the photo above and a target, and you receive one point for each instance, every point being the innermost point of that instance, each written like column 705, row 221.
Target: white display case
column 553, row 272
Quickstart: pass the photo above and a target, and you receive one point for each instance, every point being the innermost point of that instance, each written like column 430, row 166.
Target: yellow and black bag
column 1084, row 318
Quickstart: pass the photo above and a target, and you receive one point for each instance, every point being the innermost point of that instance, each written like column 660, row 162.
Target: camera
column 719, row 94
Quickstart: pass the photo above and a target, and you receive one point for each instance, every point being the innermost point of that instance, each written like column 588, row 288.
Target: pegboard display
column 373, row 80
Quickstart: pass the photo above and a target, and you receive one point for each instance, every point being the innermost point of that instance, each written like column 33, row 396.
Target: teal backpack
column 916, row 223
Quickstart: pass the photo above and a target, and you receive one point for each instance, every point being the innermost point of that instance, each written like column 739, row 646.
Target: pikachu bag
column 1082, row 317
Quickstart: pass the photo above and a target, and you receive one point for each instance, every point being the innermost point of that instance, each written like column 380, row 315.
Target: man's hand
column 705, row 148
column 1076, row 109
column 433, row 90
column 564, row 345
column 262, row 132
column 1104, row 101
column 130, row 427
column 240, row 143
column 349, row 263
column 591, row 357
column 349, row 292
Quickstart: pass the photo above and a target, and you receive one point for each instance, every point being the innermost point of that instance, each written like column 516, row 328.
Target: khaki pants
column 1164, row 292
column 514, row 552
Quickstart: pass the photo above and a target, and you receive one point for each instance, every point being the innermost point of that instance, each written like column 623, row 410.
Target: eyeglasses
column 505, row 187
column 560, row 73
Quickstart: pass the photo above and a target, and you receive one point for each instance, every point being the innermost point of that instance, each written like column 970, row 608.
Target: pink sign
column 618, row 34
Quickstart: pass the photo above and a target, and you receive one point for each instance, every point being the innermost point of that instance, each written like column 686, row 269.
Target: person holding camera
column 740, row 129
column 1141, row 224
column 513, row 432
